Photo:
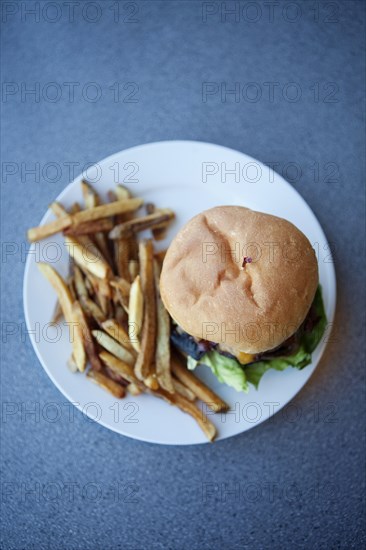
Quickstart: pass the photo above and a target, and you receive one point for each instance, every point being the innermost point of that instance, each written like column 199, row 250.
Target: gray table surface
column 296, row 481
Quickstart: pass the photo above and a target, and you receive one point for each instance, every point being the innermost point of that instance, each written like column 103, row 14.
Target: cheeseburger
column 242, row 288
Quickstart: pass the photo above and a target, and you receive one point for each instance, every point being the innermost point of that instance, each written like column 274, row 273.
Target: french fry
column 183, row 390
column 105, row 224
column 107, row 383
column 121, row 257
column 159, row 256
column 135, row 313
column 58, row 210
column 152, row 382
column 133, row 389
column 162, row 352
column 107, row 210
column 121, row 368
column 86, row 337
column 87, row 259
column 66, row 302
column 123, row 285
column 129, row 227
column 71, row 365
column 143, row 366
column 122, row 193
column 158, row 232
column 43, row 231
column 93, row 310
column 120, row 314
column 197, row 387
column 114, row 347
column 89, row 287
column 80, row 287
column 116, row 330
column 96, row 213
column 190, row 408
column 91, row 197
column 116, row 377
column 70, row 284
column 133, row 269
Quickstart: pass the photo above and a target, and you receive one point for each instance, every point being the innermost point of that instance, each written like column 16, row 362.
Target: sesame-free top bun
column 252, row 308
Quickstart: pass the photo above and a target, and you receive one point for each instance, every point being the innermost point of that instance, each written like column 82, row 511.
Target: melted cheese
column 245, row 358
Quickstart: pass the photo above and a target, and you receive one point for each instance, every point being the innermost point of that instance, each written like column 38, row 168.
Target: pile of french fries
column 119, row 327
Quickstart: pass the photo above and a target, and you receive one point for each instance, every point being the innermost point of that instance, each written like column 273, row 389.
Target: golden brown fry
column 102, row 242
column 162, row 352
column 135, row 313
column 114, row 347
column 105, row 224
column 112, row 197
column 143, row 366
column 70, row 284
column 80, row 287
column 116, row 377
column 199, row 388
column 116, row 330
column 121, row 368
column 58, row 210
column 107, row 383
column 71, row 365
column 121, row 257
column 93, row 310
column 66, row 301
column 87, row 258
column 133, row 269
column 44, row 231
column 152, row 382
column 122, row 193
column 183, row 390
column 133, row 389
column 91, row 197
column 159, row 233
column 107, row 210
column 190, row 408
column 120, row 314
column 96, row 213
column 89, row 286
column 160, row 256
column 128, row 228
column 122, row 285
column 86, row 336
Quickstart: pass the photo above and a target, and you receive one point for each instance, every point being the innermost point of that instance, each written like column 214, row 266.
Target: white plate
column 188, row 177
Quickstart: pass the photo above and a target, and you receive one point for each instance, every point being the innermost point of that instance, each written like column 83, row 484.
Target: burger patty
column 197, row 348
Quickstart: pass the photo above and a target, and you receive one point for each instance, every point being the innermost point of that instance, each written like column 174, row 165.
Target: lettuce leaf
column 226, row 370
column 310, row 340
column 232, row 373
